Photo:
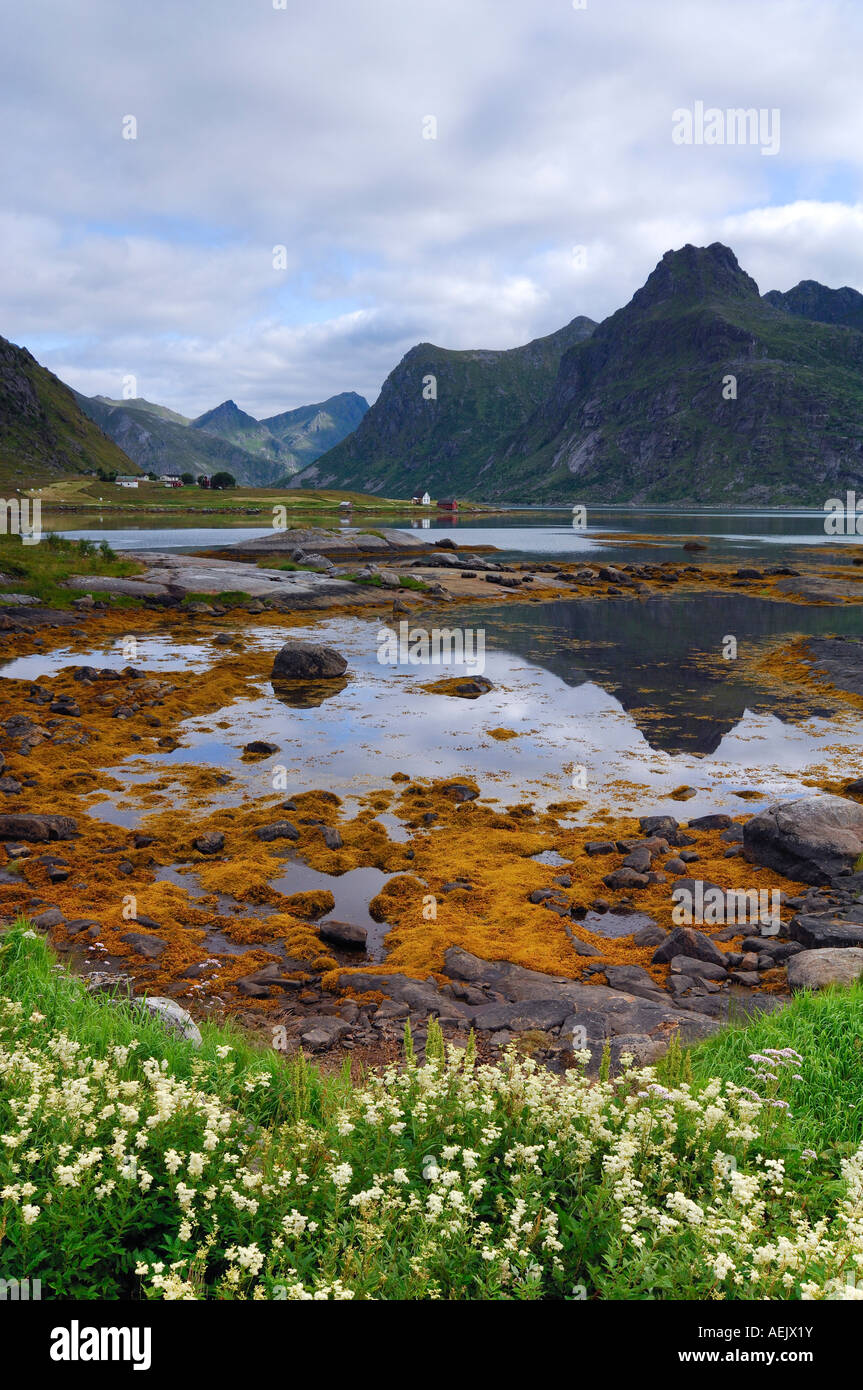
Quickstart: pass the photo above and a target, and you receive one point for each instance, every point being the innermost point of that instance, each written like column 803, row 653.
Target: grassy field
column 41, row 569
column 133, row 1165
column 89, row 496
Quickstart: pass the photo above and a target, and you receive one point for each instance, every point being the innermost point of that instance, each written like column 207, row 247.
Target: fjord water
column 632, row 691
column 624, row 533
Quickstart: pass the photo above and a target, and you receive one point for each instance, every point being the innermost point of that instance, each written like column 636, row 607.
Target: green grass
column 406, row 581
column 134, row 1165
column 827, row 1030
column 227, row 598
column 41, row 569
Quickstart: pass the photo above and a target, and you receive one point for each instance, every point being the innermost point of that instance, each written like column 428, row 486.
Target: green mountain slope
column 407, row 440
column 44, row 435
column 638, row 414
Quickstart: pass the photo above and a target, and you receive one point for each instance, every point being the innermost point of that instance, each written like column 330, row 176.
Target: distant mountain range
column 259, row 453
column 698, row 390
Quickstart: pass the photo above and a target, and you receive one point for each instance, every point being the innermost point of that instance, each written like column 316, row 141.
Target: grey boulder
column 811, row 839
column 308, row 661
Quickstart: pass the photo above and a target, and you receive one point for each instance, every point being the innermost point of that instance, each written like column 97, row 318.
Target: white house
column 124, row 480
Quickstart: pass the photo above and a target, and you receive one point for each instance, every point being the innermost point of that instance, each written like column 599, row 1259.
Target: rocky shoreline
column 555, row 937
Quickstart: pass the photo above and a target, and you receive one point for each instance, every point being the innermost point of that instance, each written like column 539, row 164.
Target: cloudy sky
column 303, row 128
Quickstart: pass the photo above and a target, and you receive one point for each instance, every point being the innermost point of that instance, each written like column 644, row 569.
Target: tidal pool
column 614, row 704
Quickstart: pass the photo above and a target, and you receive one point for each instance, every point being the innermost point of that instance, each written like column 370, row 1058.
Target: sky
column 312, row 189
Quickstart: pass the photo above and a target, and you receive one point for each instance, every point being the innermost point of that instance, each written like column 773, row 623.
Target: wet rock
column 51, row 917
column 686, row 941
column 600, row 847
column 521, row 1017
column 279, row 830
column 704, row 969
column 652, row 935
column 259, row 749
column 625, row 878
column 344, row 934
column 20, row 826
column 820, row 933
column 818, row 969
column 260, row 983
column 331, row 837
column 633, row 979
column 82, row 924
column 307, row 661
column 211, row 842
column 665, row 826
column 639, row 860
column 150, row 947
column 675, row 865
column 733, row 835
column 321, row 1031
column 460, row 792
column 812, row 839
column 716, row 821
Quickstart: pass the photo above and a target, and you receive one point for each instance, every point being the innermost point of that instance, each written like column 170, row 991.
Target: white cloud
column 303, row 127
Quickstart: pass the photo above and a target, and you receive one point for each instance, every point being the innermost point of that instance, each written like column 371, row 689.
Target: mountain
column 44, row 435
column 407, row 441
column 258, row 453
column 292, row 439
column 809, row 300
column 639, row 413
column 159, row 445
column 699, row 390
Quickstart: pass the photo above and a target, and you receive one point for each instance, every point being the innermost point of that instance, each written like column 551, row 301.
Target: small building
column 172, row 480
column 448, row 504
column 126, row 480
column 421, row 499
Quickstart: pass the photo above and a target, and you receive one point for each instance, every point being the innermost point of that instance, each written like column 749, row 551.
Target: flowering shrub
column 446, row 1179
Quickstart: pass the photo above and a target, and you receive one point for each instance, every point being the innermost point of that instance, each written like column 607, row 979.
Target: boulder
column 817, row 969
column 821, row 933
column 151, row 947
column 307, row 661
column 344, row 934
column 173, row 1016
column 279, row 830
column 686, row 941
column 211, row 842
column 811, row 839
column 322, row 1030
column 20, row 826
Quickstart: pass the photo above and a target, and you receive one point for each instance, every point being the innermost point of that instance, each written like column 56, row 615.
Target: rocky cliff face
column 439, row 416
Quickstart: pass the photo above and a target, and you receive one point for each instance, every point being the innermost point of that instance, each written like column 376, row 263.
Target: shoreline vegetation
column 137, row 1165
